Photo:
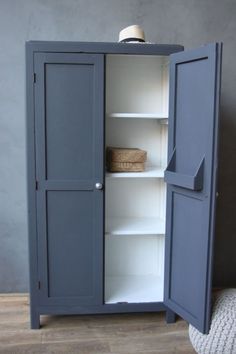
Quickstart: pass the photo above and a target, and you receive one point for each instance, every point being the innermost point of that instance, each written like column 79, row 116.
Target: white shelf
column 150, row 172
column 133, row 289
column 135, row 226
column 134, row 115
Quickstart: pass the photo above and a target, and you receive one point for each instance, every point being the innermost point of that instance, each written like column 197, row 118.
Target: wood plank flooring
column 101, row 334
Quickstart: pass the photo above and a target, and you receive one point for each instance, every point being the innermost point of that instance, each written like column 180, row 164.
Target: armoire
column 102, row 242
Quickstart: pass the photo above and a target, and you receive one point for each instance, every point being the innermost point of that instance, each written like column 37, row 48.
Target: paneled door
column 191, row 182
column 69, row 121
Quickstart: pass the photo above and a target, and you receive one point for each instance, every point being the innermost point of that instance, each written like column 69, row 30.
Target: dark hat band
column 131, row 39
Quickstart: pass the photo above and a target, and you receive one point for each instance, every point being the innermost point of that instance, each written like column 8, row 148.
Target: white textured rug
column 222, row 335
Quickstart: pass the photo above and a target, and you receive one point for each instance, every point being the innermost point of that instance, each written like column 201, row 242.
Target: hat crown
column 132, row 33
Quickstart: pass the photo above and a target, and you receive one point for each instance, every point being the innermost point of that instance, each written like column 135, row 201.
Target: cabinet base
column 104, row 309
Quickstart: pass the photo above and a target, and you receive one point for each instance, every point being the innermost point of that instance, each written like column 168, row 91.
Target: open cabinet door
column 191, row 182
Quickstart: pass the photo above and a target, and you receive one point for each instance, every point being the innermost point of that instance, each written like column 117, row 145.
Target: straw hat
column 132, row 34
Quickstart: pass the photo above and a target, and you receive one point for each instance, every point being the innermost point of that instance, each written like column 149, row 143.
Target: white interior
column 136, row 116
column 146, row 134
column 133, row 82
column 134, row 268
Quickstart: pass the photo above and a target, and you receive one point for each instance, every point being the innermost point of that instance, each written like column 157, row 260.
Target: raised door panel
column 69, row 121
column 70, row 243
column 69, row 108
column 191, row 182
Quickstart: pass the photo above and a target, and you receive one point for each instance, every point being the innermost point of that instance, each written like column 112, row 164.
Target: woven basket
column 126, row 155
column 125, row 159
column 126, row 166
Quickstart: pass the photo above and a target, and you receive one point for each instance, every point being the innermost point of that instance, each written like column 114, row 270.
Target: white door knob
column 98, row 185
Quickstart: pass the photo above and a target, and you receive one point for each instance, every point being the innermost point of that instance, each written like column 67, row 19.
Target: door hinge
column 36, row 185
column 39, row 285
column 34, row 77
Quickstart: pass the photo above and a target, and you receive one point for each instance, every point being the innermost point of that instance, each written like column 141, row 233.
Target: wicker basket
column 126, row 166
column 125, row 159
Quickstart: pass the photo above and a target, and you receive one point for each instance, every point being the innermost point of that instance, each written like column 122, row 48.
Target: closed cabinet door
column 191, row 182
column 69, row 121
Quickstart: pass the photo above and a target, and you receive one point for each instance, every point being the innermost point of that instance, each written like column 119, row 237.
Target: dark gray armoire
column 103, row 242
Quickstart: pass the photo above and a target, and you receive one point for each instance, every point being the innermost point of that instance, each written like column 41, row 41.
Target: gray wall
column 188, row 22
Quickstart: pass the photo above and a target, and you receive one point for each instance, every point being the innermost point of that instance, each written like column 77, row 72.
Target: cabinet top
column 103, row 47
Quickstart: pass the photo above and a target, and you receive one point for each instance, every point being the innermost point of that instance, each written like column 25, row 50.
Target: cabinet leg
column 34, row 320
column 170, row 316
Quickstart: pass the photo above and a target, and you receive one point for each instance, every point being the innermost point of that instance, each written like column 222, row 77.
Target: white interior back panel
column 136, row 105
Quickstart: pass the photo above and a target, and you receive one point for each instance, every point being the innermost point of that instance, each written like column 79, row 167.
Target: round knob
column 98, row 185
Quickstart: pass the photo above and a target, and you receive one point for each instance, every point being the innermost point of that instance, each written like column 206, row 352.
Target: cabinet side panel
column 31, row 183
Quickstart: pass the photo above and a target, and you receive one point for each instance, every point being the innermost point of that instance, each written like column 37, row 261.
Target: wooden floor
column 101, row 334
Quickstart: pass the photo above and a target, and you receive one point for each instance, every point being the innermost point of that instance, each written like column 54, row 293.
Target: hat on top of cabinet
column 132, row 33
